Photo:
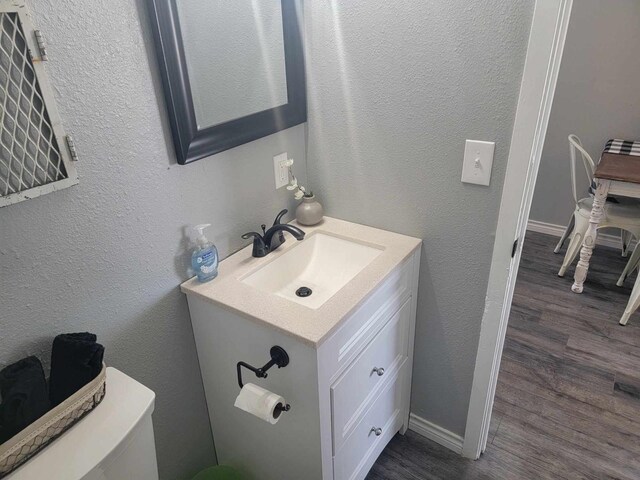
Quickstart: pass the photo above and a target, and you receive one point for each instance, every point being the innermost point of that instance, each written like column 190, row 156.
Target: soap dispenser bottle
column 204, row 259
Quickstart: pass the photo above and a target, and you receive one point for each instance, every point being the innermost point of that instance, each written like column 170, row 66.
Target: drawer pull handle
column 379, row 371
column 377, row 431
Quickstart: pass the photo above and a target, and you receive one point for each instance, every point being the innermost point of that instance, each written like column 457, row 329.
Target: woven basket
column 17, row 450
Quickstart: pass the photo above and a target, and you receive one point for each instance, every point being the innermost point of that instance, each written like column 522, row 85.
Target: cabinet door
column 372, row 433
column 341, row 349
column 352, row 393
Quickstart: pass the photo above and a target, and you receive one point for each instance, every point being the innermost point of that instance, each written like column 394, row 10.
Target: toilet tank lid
column 85, row 445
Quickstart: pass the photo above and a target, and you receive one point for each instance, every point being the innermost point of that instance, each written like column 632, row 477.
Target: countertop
column 311, row 326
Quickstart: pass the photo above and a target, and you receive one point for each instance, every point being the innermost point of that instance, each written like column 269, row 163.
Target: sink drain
column 304, row 292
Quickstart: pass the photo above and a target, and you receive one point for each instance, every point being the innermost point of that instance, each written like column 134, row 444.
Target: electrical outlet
column 280, row 170
column 478, row 160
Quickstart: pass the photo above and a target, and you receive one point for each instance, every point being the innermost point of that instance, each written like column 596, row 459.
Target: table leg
column 589, row 242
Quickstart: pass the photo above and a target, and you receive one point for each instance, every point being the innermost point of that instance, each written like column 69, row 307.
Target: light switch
column 280, row 169
column 478, row 160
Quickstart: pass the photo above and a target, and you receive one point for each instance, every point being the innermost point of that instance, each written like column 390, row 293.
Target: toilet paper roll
column 260, row 402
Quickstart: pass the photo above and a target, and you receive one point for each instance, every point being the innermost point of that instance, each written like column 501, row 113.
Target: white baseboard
column 604, row 239
column 436, row 433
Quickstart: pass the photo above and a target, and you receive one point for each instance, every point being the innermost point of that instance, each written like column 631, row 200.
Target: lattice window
column 34, row 154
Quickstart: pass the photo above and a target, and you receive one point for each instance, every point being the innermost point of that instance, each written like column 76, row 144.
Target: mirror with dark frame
column 232, row 72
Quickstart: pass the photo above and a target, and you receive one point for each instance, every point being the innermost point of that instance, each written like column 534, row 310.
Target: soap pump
column 204, row 259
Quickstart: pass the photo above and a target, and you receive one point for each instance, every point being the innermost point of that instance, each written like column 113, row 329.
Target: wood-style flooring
column 568, row 397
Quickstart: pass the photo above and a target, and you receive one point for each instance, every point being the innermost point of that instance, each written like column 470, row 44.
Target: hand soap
column 204, row 259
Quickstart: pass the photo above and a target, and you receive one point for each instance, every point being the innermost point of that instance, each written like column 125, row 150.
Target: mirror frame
column 193, row 144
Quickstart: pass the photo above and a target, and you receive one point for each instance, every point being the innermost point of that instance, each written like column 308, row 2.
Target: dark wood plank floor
column 568, row 397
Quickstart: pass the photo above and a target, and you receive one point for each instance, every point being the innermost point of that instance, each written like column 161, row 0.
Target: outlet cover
column 280, row 170
column 478, row 160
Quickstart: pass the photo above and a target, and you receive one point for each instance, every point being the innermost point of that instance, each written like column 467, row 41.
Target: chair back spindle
column 575, row 147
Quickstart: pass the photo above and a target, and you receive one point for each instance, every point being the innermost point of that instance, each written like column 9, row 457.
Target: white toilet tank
column 113, row 442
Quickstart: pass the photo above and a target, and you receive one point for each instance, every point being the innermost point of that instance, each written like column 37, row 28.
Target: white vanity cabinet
column 349, row 392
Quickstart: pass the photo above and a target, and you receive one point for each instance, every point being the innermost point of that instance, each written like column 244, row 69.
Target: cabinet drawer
column 353, row 391
column 354, row 459
column 349, row 340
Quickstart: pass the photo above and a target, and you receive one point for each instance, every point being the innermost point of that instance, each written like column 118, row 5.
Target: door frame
column 539, row 78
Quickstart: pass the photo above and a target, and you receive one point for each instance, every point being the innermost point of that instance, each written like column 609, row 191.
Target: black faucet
column 271, row 239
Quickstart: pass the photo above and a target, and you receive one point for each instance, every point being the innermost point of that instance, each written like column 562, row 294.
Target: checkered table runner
column 622, row 147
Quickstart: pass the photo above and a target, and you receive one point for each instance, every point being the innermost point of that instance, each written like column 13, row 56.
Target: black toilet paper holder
column 279, row 357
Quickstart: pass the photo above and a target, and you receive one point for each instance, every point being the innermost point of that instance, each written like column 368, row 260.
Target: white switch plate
column 280, row 170
column 478, row 160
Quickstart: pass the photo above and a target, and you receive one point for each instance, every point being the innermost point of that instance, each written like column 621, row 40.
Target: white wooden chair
column 632, row 264
column 634, row 299
column 625, row 216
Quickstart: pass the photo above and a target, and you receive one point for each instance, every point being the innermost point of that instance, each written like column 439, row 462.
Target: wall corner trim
column 542, row 63
column 434, row 432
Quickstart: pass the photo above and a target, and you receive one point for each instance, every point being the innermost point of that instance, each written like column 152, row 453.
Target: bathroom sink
column 313, row 270
column 340, row 262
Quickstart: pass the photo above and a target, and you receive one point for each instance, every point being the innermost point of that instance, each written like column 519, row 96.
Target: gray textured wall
column 394, row 91
column 597, row 97
column 108, row 255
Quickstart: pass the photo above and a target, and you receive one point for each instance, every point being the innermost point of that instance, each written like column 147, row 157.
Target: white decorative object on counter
column 310, row 211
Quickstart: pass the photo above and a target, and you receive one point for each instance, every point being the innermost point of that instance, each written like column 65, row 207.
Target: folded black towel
column 76, row 359
column 24, row 396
